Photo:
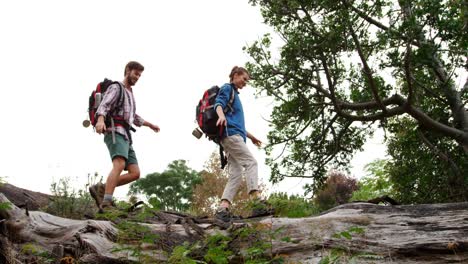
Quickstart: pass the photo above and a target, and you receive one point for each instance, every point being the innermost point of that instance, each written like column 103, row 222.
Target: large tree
column 171, row 189
column 348, row 67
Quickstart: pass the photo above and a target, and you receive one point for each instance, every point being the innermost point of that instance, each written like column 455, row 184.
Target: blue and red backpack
column 206, row 117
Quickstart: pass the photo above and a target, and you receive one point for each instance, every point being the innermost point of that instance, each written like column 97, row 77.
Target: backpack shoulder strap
column 121, row 95
column 120, row 99
column 231, row 100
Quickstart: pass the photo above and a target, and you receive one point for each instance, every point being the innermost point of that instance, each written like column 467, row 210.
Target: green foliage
column 376, row 183
column 347, row 67
column 291, row 206
column 5, row 205
column 343, row 255
column 207, row 194
column 258, row 239
column 258, row 247
column 417, row 174
column 180, row 255
column 348, row 233
column 68, row 202
column 33, row 253
column 135, row 232
column 171, row 189
column 131, row 238
column 218, row 251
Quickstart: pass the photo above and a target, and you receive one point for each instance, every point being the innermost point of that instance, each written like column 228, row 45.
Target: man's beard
column 131, row 81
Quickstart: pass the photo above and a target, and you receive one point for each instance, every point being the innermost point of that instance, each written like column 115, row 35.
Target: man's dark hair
column 133, row 65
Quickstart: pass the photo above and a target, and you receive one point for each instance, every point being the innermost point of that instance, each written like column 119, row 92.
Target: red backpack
column 96, row 97
column 111, row 119
column 206, row 115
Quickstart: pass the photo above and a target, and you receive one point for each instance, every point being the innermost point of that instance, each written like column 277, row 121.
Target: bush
column 68, row 202
column 376, row 183
column 337, row 190
column 291, row 206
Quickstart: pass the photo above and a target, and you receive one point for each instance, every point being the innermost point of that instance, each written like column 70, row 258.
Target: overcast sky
column 53, row 53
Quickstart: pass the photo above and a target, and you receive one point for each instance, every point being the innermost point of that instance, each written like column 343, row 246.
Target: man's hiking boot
column 106, row 206
column 223, row 214
column 109, row 212
column 97, row 192
column 261, row 208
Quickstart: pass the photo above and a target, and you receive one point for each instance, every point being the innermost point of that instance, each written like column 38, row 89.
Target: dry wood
column 435, row 233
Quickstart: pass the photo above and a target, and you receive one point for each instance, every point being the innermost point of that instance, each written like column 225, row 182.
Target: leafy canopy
column 171, row 189
column 346, row 67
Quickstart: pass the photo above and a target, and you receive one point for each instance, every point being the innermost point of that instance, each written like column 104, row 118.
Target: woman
column 233, row 140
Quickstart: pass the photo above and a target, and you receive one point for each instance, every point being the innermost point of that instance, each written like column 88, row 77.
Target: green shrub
column 68, row 202
column 292, row 206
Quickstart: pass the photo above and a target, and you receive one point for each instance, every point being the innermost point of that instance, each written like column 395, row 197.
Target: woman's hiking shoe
column 223, row 214
column 97, row 192
column 261, row 208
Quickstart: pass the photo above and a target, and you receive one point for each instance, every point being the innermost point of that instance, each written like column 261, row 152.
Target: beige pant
column 240, row 159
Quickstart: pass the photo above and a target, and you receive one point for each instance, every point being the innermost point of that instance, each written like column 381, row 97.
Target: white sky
column 53, row 53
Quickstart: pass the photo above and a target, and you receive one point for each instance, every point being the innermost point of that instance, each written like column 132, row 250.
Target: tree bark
column 25, row 198
column 367, row 233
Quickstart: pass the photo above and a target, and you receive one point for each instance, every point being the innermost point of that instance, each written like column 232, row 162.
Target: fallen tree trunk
column 372, row 233
column 25, row 198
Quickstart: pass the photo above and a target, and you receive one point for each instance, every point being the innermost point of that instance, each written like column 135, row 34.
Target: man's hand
column 100, row 125
column 155, row 128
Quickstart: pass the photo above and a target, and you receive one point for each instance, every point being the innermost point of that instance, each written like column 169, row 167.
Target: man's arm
column 108, row 101
column 139, row 121
column 154, row 127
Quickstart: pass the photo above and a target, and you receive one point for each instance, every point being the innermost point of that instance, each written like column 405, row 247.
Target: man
column 115, row 120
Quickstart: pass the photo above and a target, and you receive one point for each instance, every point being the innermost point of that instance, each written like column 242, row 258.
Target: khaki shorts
column 121, row 148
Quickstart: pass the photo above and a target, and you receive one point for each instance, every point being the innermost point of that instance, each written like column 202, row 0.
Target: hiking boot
column 97, row 192
column 107, row 206
column 109, row 212
column 261, row 208
column 223, row 214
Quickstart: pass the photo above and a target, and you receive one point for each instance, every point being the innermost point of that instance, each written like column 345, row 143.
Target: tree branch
column 367, row 70
column 374, row 117
column 366, row 17
column 442, row 156
column 458, row 178
column 428, row 122
column 408, row 74
column 377, row 23
column 294, row 136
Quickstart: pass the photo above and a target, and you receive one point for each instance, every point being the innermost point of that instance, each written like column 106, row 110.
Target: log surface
column 436, row 233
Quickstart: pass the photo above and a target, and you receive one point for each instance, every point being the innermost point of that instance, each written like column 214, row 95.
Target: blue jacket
column 235, row 118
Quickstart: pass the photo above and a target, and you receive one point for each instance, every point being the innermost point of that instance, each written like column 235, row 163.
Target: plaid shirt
column 128, row 111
